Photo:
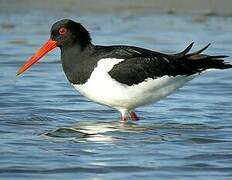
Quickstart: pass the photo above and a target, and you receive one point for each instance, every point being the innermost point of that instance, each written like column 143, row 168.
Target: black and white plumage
column 125, row 77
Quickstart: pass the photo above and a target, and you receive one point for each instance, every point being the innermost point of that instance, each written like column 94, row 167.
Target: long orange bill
column 48, row 46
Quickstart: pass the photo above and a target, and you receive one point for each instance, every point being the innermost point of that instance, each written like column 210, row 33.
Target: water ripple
column 49, row 131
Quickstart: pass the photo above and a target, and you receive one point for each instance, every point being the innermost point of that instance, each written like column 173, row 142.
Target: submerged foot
column 126, row 114
column 124, row 118
column 134, row 116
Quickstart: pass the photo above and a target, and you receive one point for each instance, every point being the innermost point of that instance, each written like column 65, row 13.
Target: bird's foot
column 134, row 116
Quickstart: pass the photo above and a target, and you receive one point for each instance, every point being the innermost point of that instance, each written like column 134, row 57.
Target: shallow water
column 49, row 131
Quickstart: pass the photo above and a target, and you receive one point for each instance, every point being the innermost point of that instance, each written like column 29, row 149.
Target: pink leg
column 134, row 116
column 124, row 118
column 124, row 115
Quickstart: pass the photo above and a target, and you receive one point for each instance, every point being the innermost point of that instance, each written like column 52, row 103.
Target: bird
column 122, row 77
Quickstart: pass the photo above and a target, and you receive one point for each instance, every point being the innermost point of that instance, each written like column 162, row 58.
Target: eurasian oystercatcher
column 122, row 77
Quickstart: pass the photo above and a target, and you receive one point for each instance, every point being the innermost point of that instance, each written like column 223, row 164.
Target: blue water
column 49, row 131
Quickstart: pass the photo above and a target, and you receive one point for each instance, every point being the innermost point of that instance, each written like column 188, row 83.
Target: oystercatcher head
column 64, row 34
column 122, row 77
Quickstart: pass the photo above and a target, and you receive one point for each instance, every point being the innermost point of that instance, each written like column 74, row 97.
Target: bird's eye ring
column 63, row 30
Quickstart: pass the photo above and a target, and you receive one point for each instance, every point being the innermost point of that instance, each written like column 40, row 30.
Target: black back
column 139, row 64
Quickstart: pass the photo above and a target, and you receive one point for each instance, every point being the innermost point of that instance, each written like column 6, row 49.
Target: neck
column 77, row 62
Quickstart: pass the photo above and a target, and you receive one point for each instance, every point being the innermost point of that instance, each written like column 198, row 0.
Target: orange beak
column 48, row 46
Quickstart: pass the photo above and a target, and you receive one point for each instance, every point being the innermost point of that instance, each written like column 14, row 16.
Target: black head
column 64, row 34
column 67, row 32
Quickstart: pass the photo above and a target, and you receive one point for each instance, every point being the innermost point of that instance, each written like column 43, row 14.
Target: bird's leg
column 124, row 115
column 134, row 116
column 124, row 118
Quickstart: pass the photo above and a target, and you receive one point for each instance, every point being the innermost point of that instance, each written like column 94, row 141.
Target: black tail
column 199, row 62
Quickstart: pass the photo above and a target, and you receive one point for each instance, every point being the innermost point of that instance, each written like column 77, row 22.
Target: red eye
column 62, row 30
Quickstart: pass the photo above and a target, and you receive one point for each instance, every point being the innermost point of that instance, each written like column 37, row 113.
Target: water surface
column 49, row 131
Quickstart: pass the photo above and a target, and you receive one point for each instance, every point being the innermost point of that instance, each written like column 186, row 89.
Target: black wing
column 140, row 64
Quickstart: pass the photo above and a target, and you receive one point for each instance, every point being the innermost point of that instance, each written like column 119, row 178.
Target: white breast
column 103, row 89
column 100, row 87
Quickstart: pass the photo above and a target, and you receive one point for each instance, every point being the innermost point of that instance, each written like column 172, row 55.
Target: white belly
column 102, row 89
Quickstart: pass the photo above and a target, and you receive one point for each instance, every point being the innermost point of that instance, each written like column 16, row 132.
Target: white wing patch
column 105, row 65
